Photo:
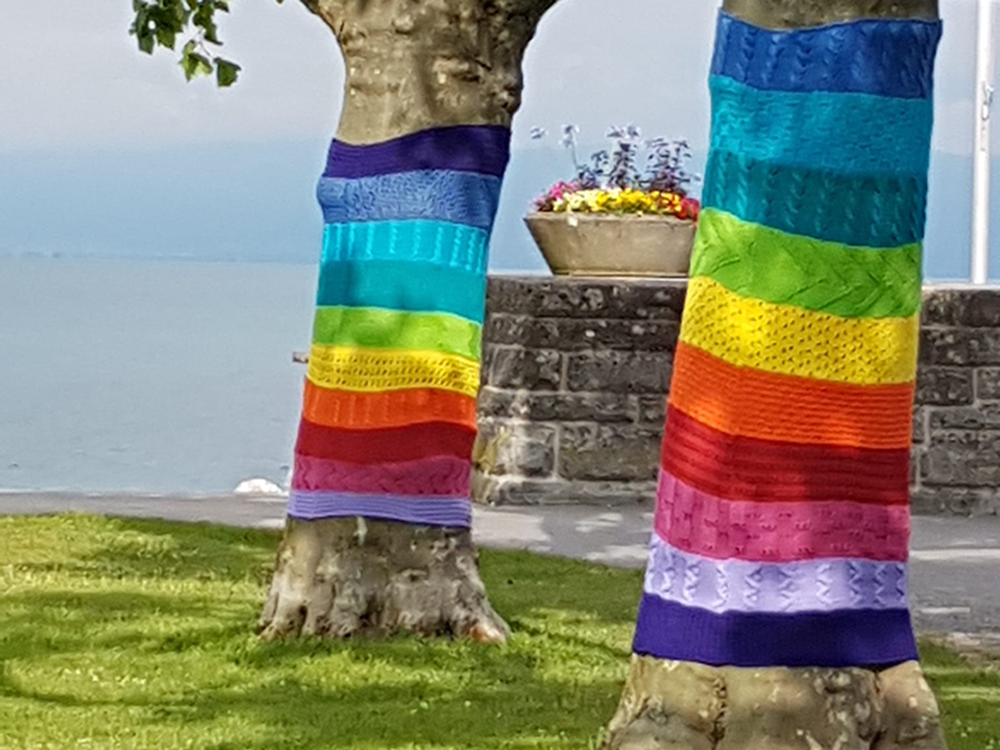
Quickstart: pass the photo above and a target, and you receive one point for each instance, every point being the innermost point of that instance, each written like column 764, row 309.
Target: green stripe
column 762, row 263
column 387, row 329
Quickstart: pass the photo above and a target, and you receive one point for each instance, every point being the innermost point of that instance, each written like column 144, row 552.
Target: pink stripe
column 439, row 476
column 703, row 524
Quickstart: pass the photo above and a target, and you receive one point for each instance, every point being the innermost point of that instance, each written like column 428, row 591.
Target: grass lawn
column 138, row 634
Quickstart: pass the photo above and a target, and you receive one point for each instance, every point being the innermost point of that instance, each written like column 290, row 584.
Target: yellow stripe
column 376, row 370
column 792, row 341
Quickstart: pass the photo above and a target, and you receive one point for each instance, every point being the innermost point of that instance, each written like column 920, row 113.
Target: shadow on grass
column 148, row 592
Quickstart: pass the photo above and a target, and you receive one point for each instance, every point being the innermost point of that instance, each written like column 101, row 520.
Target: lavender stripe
column 428, row 511
column 802, row 586
column 483, row 149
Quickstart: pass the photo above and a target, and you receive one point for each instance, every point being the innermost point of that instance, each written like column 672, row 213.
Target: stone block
column 958, row 501
column 944, row 386
column 988, row 383
column 973, row 308
column 982, row 417
column 609, row 452
column 508, row 447
column 512, row 367
column 563, row 492
column 960, row 346
column 966, row 458
column 551, row 406
column 619, row 372
column 653, row 410
column 919, row 424
column 566, row 297
column 581, row 334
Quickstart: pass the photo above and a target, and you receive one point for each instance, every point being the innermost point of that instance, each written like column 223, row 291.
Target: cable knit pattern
column 439, row 244
column 434, row 195
column 480, row 149
column 389, row 411
column 703, row 524
column 409, row 287
column 442, row 476
column 888, row 136
column 887, row 58
column 864, row 211
column 782, row 516
column 786, row 269
column 802, row 586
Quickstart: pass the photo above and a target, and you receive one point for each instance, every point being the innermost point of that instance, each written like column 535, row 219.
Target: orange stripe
column 361, row 411
column 769, row 406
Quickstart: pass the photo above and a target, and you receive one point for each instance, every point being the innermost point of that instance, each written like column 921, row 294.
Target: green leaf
column 194, row 64
column 166, row 37
column 226, row 72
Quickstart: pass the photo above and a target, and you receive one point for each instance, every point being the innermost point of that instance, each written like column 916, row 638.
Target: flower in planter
column 611, row 182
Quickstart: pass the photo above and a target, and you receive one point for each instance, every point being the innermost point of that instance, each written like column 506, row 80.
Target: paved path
column 955, row 561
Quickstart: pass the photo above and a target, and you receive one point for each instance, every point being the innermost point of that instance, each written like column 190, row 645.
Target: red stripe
column 391, row 444
column 741, row 468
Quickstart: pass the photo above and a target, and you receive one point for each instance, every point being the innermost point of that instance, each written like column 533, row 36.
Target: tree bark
column 377, row 539
column 777, row 545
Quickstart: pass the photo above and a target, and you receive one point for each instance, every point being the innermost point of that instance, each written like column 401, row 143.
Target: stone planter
column 591, row 245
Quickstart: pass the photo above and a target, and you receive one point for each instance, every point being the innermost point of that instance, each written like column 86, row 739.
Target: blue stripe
column 450, row 245
column 882, row 57
column 408, row 287
column 853, row 638
column 437, row 195
column 427, row 511
column 876, row 212
column 853, row 134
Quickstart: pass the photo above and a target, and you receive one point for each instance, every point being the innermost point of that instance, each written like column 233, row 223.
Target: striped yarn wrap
column 782, row 521
column 389, row 414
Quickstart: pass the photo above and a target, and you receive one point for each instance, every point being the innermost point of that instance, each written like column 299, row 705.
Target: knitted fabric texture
column 782, row 519
column 389, row 414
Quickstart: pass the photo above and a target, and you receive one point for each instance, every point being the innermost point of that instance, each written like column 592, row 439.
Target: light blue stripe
column 403, row 286
column 430, row 194
column 845, row 133
column 445, row 244
column 427, row 511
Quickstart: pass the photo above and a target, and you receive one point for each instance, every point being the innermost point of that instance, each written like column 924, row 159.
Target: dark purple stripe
column 483, row 149
column 853, row 638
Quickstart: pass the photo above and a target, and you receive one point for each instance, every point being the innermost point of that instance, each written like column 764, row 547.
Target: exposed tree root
column 682, row 706
column 343, row 577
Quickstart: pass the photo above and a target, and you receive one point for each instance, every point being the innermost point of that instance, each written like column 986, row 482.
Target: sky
column 107, row 151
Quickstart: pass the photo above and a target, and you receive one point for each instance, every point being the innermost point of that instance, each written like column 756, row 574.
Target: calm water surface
column 149, row 376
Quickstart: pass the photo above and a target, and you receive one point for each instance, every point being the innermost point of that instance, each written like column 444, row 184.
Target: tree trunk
column 378, row 535
column 774, row 611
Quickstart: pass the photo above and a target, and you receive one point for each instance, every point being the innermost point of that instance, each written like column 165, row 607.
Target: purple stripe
column 483, row 149
column 853, row 638
column 426, row 511
column 823, row 585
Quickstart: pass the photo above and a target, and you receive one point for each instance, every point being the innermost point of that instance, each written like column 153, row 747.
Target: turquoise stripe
column 448, row 245
column 875, row 212
column 847, row 133
column 402, row 285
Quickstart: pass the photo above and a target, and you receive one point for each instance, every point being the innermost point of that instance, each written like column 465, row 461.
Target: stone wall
column 576, row 371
